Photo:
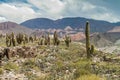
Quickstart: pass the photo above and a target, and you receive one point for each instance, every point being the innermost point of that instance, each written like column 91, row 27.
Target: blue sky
column 21, row 10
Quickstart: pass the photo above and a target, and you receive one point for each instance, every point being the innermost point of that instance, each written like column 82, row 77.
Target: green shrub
column 1, row 71
column 80, row 72
column 30, row 63
column 90, row 77
column 10, row 66
column 82, row 67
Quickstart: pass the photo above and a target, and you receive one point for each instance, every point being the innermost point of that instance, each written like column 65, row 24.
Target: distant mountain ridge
column 75, row 22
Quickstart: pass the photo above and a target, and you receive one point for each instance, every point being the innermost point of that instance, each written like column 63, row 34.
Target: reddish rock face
column 78, row 36
column 115, row 29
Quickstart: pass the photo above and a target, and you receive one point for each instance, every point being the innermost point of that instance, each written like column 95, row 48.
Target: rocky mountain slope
column 8, row 27
column 115, row 29
column 104, row 39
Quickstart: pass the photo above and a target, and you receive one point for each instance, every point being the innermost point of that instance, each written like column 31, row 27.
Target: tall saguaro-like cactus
column 87, row 32
column 89, row 48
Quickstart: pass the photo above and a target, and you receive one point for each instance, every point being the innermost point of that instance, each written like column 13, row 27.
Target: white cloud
column 87, row 6
column 3, row 19
column 49, row 8
column 80, row 8
column 107, row 17
column 17, row 14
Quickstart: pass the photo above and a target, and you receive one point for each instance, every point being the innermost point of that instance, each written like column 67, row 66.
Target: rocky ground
column 40, row 62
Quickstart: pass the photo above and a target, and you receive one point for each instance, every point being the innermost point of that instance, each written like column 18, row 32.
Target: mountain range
column 75, row 23
column 103, row 32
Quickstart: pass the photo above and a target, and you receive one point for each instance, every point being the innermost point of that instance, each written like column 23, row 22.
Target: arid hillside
column 9, row 27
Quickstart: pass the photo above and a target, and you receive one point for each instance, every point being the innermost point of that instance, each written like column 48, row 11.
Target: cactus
column 0, row 58
column 13, row 39
column 8, row 41
column 6, row 52
column 55, row 38
column 19, row 38
column 48, row 39
column 87, row 32
column 92, row 49
column 89, row 48
column 35, row 37
column 24, row 41
column 31, row 39
column 56, row 41
column 41, row 40
column 13, row 42
column 26, row 38
column 45, row 41
column 67, row 40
